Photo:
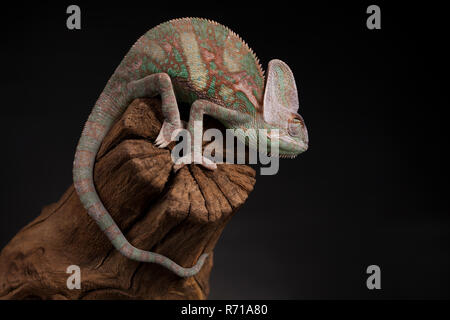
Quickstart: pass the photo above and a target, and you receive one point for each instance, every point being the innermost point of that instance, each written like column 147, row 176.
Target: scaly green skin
column 203, row 63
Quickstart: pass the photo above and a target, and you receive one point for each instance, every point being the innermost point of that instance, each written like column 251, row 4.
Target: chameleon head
column 280, row 110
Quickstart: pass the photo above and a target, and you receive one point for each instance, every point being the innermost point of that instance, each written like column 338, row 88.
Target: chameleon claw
column 160, row 142
column 162, row 145
column 208, row 164
column 179, row 164
column 166, row 134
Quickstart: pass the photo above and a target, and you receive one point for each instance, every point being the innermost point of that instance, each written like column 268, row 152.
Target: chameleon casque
column 205, row 64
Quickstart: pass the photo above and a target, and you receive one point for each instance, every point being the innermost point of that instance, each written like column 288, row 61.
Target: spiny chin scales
column 287, row 156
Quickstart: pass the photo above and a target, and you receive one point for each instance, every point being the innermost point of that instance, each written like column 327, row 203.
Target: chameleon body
column 207, row 65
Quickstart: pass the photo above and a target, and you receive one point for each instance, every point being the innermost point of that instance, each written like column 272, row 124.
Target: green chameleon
column 205, row 64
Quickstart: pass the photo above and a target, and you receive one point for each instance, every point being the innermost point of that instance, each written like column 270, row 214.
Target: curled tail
column 97, row 126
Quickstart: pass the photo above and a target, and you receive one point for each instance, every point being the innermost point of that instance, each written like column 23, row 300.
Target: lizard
column 207, row 65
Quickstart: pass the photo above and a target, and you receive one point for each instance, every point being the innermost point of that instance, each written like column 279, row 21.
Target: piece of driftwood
column 180, row 215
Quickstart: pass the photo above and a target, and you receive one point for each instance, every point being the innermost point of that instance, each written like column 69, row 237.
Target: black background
column 372, row 188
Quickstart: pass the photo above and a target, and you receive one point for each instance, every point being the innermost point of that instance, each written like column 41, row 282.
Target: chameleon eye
column 295, row 127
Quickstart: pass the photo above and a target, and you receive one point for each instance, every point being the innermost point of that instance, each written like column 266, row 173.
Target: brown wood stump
column 180, row 215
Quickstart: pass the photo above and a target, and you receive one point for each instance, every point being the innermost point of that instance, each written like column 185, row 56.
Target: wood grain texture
column 178, row 215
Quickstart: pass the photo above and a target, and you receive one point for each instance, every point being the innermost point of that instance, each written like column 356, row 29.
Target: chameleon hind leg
column 152, row 85
column 195, row 128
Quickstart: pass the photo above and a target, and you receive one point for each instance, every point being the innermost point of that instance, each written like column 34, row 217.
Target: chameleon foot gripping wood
column 179, row 215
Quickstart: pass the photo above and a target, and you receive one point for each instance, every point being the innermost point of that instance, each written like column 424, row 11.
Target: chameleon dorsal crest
column 280, row 96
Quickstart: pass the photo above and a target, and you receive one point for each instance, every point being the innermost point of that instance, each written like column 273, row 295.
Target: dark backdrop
column 372, row 188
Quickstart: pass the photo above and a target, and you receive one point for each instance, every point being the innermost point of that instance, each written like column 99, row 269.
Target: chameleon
column 208, row 66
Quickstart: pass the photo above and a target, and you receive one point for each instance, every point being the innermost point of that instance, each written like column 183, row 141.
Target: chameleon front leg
column 195, row 127
column 152, row 85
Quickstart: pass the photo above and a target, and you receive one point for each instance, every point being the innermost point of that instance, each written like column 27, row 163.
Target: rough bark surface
column 180, row 215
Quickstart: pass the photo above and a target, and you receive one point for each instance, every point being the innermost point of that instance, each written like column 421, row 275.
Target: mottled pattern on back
column 205, row 61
